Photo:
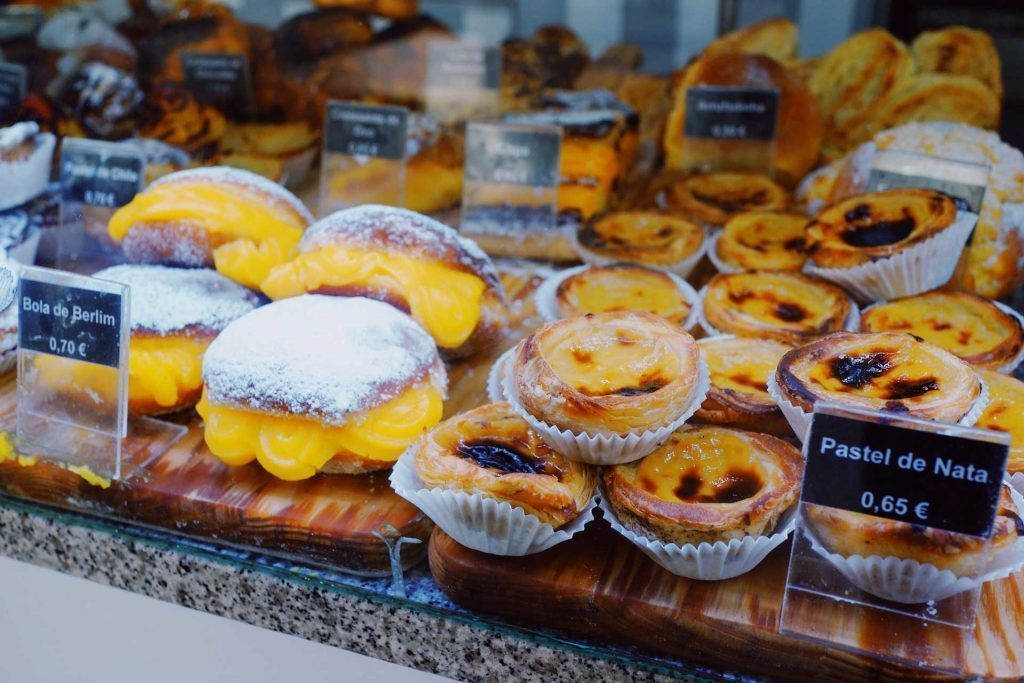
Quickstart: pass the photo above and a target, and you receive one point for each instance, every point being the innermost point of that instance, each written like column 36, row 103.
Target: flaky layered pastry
column 784, row 306
column 647, row 237
column 889, row 371
column 714, row 198
column 607, row 373
column 706, row 484
column 966, row 325
column 873, row 226
column 492, row 451
column 408, row 260
column 760, row 240
column 622, row 287
column 320, row 383
column 1005, row 413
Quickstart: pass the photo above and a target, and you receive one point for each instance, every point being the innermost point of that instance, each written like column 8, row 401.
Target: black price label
column 220, row 79
column 99, row 174
column 908, row 475
column 13, row 83
column 727, row 113
column 366, row 130
column 70, row 322
column 513, row 155
column 20, row 21
column 463, row 66
column 968, row 196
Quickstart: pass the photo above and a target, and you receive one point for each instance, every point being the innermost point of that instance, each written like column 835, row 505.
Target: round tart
column 853, row 533
column 706, row 484
column 492, row 451
column 649, row 238
column 622, row 287
column 889, row 371
column 759, row 240
column 408, row 260
column 779, row 305
column 973, row 328
column 1004, row 412
column 714, row 198
column 607, row 373
column 740, row 368
column 320, row 383
column 237, row 221
column 874, row 226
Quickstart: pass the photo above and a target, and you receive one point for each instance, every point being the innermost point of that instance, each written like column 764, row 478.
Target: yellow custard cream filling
column 960, row 328
column 444, row 300
column 604, row 365
column 714, row 467
column 294, row 448
column 637, row 291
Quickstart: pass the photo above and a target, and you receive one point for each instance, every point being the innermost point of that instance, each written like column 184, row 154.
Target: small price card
column 730, row 129
column 96, row 179
column 462, row 81
column 364, row 155
column 964, row 181
column 13, row 84
column 220, row 79
column 20, row 20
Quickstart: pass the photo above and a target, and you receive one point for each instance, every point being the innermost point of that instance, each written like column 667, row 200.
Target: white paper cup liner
column 716, row 260
column 480, row 522
column 708, row 561
column 911, row 582
column 683, row 268
column 496, row 376
column 608, row 449
column 800, row 420
column 1016, row 482
column 851, row 324
column 916, row 269
column 547, row 306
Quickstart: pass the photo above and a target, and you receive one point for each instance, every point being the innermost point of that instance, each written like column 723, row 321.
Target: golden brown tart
column 607, row 373
column 889, row 371
column 760, row 240
column 652, row 238
column 622, row 287
column 714, row 198
column 1004, row 412
column 706, row 484
column 738, row 397
column 874, row 226
column 779, row 305
column 967, row 325
column 492, row 451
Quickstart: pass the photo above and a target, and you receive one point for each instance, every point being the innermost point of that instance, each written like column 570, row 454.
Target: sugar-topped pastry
column 406, row 259
column 236, row 221
column 25, row 155
column 320, row 383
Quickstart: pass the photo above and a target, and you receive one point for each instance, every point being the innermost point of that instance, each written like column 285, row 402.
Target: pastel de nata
column 943, row 467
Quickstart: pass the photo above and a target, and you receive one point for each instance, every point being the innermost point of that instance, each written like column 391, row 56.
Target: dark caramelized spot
column 896, row 407
column 858, row 214
column 748, row 381
column 901, row 388
column 939, row 326
column 732, row 204
column 794, row 244
column 502, row 457
column 582, row 356
column 688, row 486
column 865, row 233
column 636, row 391
column 964, row 336
column 791, row 313
column 735, row 486
column 665, row 232
column 856, row 371
column 740, row 297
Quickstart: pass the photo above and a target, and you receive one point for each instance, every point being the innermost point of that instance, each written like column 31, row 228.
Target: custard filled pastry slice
column 713, row 198
column 236, row 221
column 416, row 264
column 1004, row 412
column 758, row 240
column 623, row 287
column 648, row 238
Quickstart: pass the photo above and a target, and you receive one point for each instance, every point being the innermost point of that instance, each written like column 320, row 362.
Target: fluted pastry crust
column 607, row 373
column 492, row 451
column 714, row 198
column 889, row 371
column 648, row 237
column 1004, row 412
column 706, row 484
column 760, row 240
column 622, row 287
column 784, row 306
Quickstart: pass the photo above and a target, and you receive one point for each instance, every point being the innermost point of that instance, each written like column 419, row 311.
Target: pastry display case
column 523, row 311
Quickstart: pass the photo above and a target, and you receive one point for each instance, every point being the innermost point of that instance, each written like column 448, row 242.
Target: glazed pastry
column 25, row 155
column 713, row 198
column 874, row 226
column 607, row 373
column 236, row 221
column 738, row 397
column 779, row 305
column 777, row 37
column 1005, row 413
column 413, row 262
column 706, row 484
column 320, row 383
column 622, row 287
column 650, row 238
column 973, row 328
column 888, row 371
column 763, row 241
column 960, row 51
column 492, row 451
column 853, row 533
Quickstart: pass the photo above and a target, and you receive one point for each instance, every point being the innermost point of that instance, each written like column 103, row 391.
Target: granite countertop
column 423, row 629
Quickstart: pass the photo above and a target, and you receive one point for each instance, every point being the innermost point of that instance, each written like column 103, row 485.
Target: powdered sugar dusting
column 169, row 300
column 15, row 135
column 322, row 356
column 237, row 176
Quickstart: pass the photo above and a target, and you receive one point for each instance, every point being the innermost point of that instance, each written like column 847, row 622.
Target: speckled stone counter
column 423, row 630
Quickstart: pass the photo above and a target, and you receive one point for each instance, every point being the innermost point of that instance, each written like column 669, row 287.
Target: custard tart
column 759, row 240
column 492, row 451
column 713, row 198
column 1004, row 412
column 784, row 306
column 607, row 373
column 967, row 325
column 738, row 397
column 888, row 371
column 650, row 238
column 706, row 484
column 624, row 287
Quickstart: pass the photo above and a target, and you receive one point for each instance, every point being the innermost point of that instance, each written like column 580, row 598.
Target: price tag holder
column 730, row 129
column 363, row 160
column 13, row 85
column 883, row 497
column 96, row 178
column 21, row 20
column 220, row 79
column 462, row 81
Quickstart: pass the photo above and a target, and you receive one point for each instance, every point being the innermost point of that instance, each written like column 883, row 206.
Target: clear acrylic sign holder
column 730, row 129
column 964, row 181
column 856, row 579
